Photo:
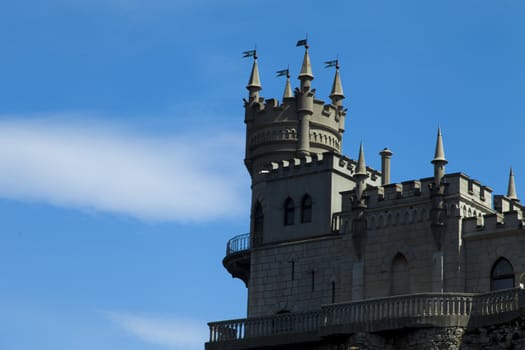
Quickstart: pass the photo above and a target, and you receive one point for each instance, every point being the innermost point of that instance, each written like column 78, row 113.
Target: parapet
column 503, row 204
column 493, row 223
column 315, row 163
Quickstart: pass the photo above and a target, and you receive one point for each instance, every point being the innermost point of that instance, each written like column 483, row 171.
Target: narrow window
column 399, row 279
column 313, row 280
column 333, row 292
column 258, row 224
column 306, row 209
column 289, row 211
column 293, row 269
column 502, row 275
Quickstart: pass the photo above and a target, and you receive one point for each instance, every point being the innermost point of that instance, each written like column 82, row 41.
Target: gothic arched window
column 289, row 211
column 306, row 209
column 502, row 275
column 400, row 279
column 258, row 224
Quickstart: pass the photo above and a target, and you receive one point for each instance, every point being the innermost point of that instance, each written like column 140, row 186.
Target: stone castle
column 338, row 257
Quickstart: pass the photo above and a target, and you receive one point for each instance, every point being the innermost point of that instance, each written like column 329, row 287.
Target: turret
column 305, row 104
column 360, row 175
column 437, row 195
column 296, row 125
column 337, row 95
column 511, row 189
column 439, row 160
column 288, row 93
column 254, row 83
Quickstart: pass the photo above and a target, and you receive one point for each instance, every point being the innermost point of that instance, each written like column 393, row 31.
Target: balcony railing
column 291, row 323
column 238, row 244
column 428, row 309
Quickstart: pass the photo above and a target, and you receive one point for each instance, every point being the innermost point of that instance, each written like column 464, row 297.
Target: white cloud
column 173, row 333
column 186, row 177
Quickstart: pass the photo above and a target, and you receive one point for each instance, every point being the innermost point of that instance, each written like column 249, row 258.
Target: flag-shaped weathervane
column 333, row 63
column 250, row 53
column 283, row 72
column 303, row 42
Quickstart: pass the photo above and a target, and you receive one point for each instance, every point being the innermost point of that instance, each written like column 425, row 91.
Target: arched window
column 306, row 209
column 400, row 279
column 502, row 275
column 289, row 211
column 258, row 224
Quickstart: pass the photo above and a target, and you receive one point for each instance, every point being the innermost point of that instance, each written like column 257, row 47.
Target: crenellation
column 393, row 191
column 494, row 222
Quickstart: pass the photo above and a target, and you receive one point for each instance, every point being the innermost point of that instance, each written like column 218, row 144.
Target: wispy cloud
column 172, row 333
column 184, row 177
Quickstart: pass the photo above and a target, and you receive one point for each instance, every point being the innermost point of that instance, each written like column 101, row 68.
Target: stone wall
column 504, row 336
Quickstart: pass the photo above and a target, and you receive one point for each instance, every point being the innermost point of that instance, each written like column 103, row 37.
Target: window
column 400, row 280
column 502, row 275
column 258, row 224
column 333, row 292
column 289, row 211
column 306, row 209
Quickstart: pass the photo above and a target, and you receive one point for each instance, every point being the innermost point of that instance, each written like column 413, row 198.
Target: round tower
column 299, row 125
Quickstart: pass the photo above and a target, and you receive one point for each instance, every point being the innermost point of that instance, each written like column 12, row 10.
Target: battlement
column 459, row 186
column 503, row 204
column 493, row 223
column 264, row 112
column 316, row 163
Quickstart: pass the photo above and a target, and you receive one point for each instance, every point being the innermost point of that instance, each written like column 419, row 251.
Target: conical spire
column 306, row 68
column 361, row 165
column 287, row 88
column 254, row 83
column 440, row 150
column 337, row 88
column 511, row 191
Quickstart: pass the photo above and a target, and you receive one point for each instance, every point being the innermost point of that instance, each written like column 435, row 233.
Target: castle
column 338, row 257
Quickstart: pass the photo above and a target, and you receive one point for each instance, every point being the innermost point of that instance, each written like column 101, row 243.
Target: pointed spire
column 361, row 165
column 337, row 88
column 306, row 69
column 254, row 83
column 511, row 191
column 287, row 88
column 440, row 150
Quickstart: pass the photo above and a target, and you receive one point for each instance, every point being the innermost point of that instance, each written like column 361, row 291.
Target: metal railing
column 441, row 309
column 238, row 244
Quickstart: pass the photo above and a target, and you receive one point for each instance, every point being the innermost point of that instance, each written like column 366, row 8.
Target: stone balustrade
column 289, row 323
column 389, row 313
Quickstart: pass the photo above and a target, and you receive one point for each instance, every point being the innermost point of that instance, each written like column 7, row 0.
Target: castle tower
column 299, row 126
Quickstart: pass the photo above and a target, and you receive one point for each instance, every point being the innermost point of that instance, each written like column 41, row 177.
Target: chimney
column 386, row 154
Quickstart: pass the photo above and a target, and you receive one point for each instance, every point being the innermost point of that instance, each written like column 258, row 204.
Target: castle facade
column 338, row 257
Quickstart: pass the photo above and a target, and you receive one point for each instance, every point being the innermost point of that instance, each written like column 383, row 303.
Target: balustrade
column 389, row 310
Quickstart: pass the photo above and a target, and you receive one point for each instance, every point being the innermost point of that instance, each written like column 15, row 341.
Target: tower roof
column 511, row 190
column 439, row 156
column 254, row 83
column 287, row 88
column 361, row 164
column 306, row 68
column 337, row 87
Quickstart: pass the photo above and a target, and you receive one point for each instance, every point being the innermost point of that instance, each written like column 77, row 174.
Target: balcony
column 371, row 315
column 237, row 259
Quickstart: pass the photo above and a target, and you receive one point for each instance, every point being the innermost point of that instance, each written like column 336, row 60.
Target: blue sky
column 121, row 142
